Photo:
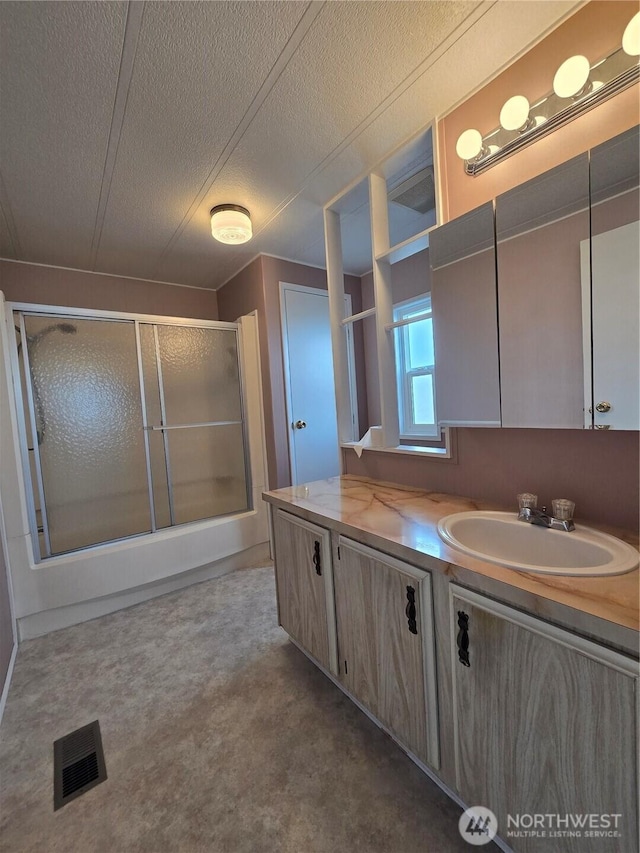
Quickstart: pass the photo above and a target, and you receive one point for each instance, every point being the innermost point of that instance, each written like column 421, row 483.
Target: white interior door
column 311, row 407
column 615, row 272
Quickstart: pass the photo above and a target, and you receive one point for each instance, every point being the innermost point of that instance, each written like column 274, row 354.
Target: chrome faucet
column 561, row 519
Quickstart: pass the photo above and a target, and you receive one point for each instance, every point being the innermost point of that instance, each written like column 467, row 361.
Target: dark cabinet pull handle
column 410, row 610
column 463, row 638
column 316, row 557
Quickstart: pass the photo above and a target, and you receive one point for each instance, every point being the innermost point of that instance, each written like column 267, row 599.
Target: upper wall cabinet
column 566, row 318
column 463, row 298
column 612, row 309
column 540, row 227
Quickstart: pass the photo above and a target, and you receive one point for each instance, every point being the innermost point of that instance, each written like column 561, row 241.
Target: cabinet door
column 384, row 642
column 544, row 725
column 539, row 227
column 465, row 320
column 612, row 328
column 303, row 577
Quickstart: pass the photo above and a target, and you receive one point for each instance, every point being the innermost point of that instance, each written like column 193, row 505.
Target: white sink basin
column 499, row 537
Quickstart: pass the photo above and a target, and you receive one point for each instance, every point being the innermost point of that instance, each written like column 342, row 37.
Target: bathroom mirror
column 463, row 293
column 611, row 306
column 540, row 227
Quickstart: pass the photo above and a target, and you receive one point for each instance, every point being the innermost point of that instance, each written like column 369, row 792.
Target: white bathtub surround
column 109, row 571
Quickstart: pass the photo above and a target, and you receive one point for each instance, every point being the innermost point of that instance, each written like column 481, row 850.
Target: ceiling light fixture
column 231, row 223
column 573, row 93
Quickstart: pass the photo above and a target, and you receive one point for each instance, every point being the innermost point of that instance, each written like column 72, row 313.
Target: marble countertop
column 403, row 521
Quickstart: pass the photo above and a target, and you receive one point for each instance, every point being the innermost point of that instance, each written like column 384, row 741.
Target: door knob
column 299, row 425
column 603, row 407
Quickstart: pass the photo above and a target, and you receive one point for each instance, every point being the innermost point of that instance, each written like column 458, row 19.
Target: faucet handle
column 563, row 509
column 527, row 501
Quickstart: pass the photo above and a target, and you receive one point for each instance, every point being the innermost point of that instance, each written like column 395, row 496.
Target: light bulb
column 231, row 223
column 514, row 114
column 469, row 144
column 631, row 37
column 571, row 77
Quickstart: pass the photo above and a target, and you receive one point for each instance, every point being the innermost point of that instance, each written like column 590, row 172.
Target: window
column 415, row 365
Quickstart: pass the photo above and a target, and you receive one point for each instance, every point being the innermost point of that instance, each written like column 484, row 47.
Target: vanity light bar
column 605, row 79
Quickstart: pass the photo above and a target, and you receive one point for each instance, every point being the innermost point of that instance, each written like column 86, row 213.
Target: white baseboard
column 7, row 680
column 37, row 624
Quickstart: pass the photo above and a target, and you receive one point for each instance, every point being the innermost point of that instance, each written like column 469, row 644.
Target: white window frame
column 421, row 307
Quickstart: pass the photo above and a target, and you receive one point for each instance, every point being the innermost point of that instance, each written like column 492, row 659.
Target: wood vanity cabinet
column 535, row 721
column 305, row 585
column 385, row 643
column 544, row 723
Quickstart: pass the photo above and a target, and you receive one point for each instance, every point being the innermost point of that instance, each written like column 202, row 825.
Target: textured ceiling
column 122, row 124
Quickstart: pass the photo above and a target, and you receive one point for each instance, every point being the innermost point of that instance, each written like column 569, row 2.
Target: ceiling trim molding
column 314, row 7
column 512, row 60
column 109, row 274
column 460, row 30
column 237, row 272
column 287, row 260
column 135, row 14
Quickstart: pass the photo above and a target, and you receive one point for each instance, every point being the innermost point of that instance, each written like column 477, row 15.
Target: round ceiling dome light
column 631, row 37
column 469, row 144
column 231, row 223
column 514, row 114
column 572, row 77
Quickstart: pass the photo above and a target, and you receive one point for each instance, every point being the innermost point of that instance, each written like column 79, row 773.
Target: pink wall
column 594, row 30
column 241, row 295
column 257, row 288
column 371, row 389
column 23, row 282
column 275, row 271
column 597, row 470
column 409, row 278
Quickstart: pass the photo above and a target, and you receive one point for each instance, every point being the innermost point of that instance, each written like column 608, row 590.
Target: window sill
column 448, row 452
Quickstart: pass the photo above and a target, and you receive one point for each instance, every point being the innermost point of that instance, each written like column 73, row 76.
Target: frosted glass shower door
column 130, row 425
column 85, row 417
column 194, row 400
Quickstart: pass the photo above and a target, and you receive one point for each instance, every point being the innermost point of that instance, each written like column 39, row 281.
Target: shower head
column 65, row 328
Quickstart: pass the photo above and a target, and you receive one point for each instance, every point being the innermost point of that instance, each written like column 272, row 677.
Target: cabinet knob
column 299, row 425
column 603, row 407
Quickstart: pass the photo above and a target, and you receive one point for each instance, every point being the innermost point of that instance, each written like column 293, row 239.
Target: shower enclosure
column 128, row 425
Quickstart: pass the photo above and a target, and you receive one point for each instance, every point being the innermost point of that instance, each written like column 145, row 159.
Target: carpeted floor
column 219, row 737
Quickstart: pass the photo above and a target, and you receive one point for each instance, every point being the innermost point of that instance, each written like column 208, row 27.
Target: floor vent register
column 78, row 764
